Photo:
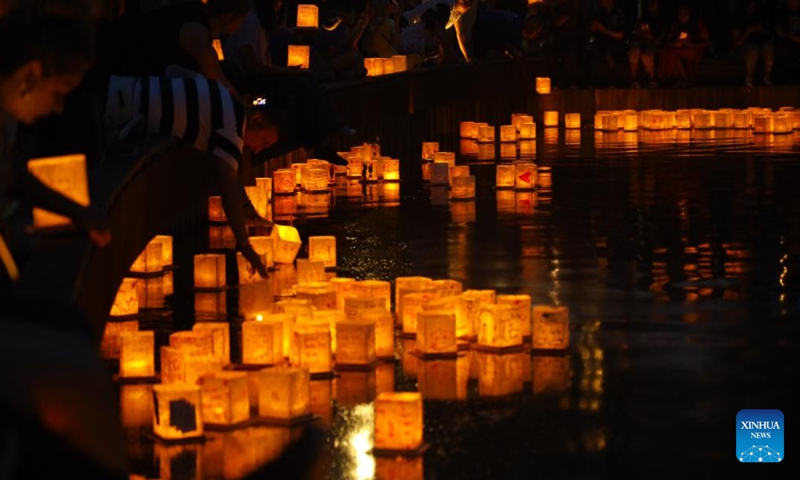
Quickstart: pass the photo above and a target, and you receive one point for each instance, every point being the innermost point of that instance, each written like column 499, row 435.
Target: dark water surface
column 678, row 255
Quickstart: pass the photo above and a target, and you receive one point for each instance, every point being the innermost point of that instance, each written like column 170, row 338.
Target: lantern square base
column 224, row 427
column 323, row 375
column 200, row 439
column 378, row 452
column 437, row 356
column 492, row 349
column 283, row 422
column 549, row 351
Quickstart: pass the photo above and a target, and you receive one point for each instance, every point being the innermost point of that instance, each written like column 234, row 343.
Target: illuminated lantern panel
column 126, row 301
column 551, row 118
column 193, row 343
column 525, row 176
column 436, row 332
column 382, row 319
column 723, row 119
column 399, row 63
column 211, row 303
column 315, row 179
column 781, row 123
column 370, row 171
column 445, row 157
column 550, row 373
column 307, row 16
column 448, row 287
column 742, row 120
column 610, row 123
column 247, row 273
column 176, row 415
column 136, row 405
column 209, row 270
column 137, row 354
column 283, row 181
column 572, row 120
column 543, row 85
column 631, row 122
column 550, row 328
column 522, row 310
column 468, row 129
column 322, row 295
column 683, row 120
column 298, row 56
column 287, row 321
column 508, row 133
column 287, row 243
column 763, row 124
column 216, row 213
column 258, row 198
column 109, row 345
column 398, row 421
column 456, row 306
column 373, row 66
column 473, row 301
column 67, row 176
column 255, row 299
column 355, row 166
column 508, row 150
column 220, row 333
column 262, row 342
column 353, row 306
column 440, row 173
column 151, row 260
column 458, row 171
column 388, row 65
column 309, row 271
column 409, row 284
column 703, row 120
column 463, row 188
column 429, row 149
column 225, row 398
column 284, row 393
column 221, row 238
column 344, row 288
column 265, row 184
column 499, row 327
column 374, row 289
column 486, row 134
column 391, row 170
column 527, row 131
column 311, row 348
column 411, row 304
column 355, row 343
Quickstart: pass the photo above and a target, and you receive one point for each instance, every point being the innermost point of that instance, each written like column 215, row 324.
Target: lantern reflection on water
column 398, row 421
column 177, row 413
column 508, row 133
column 225, row 398
column 136, row 405
column 137, row 354
column 444, row 378
column 550, row 373
column 284, row 393
column 500, row 374
column 355, row 342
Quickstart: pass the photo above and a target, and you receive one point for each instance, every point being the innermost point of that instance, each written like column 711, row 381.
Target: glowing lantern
column 369, row 171
column 265, row 247
column 307, row 16
column 436, row 333
column 550, row 373
column 462, row 187
column 225, row 398
column 362, row 151
column 310, row 271
column 209, row 270
column 518, row 119
column 723, row 119
column 525, row 176
column 262, row 342
column 543, row 85
column 283, row 180
column 781, row 123
column 403, row 285
column 398, row 421
column 455, row 305
column 298, row 56
column 220, row 333
column 508, row 133
column 391, row 170
column 610, row 123
column 355, row 166
column 522, row 310
column 406, row 468
column 255, row 298
column 265, row 184
column 631, row 122
column 550, row 328
column 384, row 329
column 763, row 124
column 321, row 294
column 284, row 393
column 440, row 173
column 176, row 415
column 373, row 66
column 742, row 120
column 151, row 292
column 212, row 303
column 500, row 375
column 248, row 274
column 703, row 120
column 499, row 327
column 551, row 118
column 448, row 287
column 258, row 199
column 353, row 306
column 193, row 343
column 429, row 149
column 216, row 212
column 683, row 120
column 448, row 158
column 508, row 150
column 388, row 65
column 468, row 129
column 355, row 342
column 399, row 63
column 344, row 288
column 126, row 301
column 374, row 289
column 527, row 131
column 314, row 179
column 182, row 366
column 67, row 176
column 312, row 348
column 109, row 345
column 151, row 260
column 411, row 305
column 137, row 354
column 221, row 238
column 572, row 120
column 287, row 243
column 486, row 134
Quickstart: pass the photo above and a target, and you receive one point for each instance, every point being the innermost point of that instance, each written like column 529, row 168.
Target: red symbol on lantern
column 526, row 177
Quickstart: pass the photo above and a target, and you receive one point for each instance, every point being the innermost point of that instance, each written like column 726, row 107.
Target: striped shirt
column 196, row 111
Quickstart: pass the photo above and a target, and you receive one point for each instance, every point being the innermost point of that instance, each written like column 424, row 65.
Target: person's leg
column 634, row 55
column 648, row 61
column 749, row 54
column 768, row 59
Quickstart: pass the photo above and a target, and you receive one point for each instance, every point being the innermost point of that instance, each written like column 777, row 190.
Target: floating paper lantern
column 225, row 398
column 631, row 122
column 284, row 181
column 508, row 150
column 344, row 288
column 398, row 421
column 355, row 165
column 763, row 124
column 411, row 305
column 315, row 179
column 499, row 327
column 321, row 294
column 399, row 63
column 151, row 292
column 137, row 354
column 151, row 260
column 391, row 170
column 298, row 169
column 265, row 184
column 543, row 85
column 448, row 287
column 209, row 270
column 781, row 123
column 508, row 133
column 136, row 405
column 551, row 118
column 550, row 328
column 572, row 120
column 403, row 285
column 221, row 238
column 468, row 129
column 211, row 302
column 355, row 343
column 353, row 306
column 67, row 176
column 723, row 119
column 742, row 120
column 193, row 343
column 448, row 158
column 486, row 134
column 373, row 66
column 429, row 150
column 322, row 249
column 440, row 173
column 518, row 119
column 703, row 120
column 216, row 211
column 527, row 131
column 287, row 243
column 522, row 310
column 180, row 366
column 388, row 65
column 284, row 393
column 436, row 333
column 550, row 373
column 307, row 16
column 256, row 298
column 220, row 339
column 406, row 468
column 462, row 188
column 310, row 271
column 258, row 199
column 382, row 319
column 525, row 176
column 176, row 415
column 455, row 305
column 610, row 123
column 374, row 289
column 262, row 342
column 683, row 120
column 298, row 56
column 126, row 301
column 109, row 344
column 247, row 273
column 311, row 348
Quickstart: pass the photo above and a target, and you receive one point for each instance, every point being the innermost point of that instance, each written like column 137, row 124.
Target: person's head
column 228, row 15
column 653, row 7
column 42, row 59
column 684, row 13
column 261, row 130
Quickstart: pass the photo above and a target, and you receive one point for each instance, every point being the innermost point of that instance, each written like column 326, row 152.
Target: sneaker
column 767, row 81
column 635, row 85
column 748, row 81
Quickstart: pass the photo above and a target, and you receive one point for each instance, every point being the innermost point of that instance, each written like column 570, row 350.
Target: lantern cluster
column 377, row 66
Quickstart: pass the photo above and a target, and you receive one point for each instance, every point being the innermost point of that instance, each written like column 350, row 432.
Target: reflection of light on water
column 591, row 383
column 555, row 292
column 357, row 442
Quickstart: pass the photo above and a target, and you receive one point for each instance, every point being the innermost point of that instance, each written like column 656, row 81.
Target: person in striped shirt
column 204, row 114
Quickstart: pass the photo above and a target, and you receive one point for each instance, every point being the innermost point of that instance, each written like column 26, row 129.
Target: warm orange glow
column 248, row 274
column 508, row 150
column 284, row 392
column 543, row 85
column 500, row 375
column 391, row 170
column 311, row 348
column 525, row 176
column 384, row 329
column 468, row 129
column 283, row 181
column 527, row 131
column 551, row 118
column 429, row 149
column 456, row 306
column 440, row 173
column 151, row 260
column 209, row 270
column 522, row 310
column 399, row 63
column 355, row 343
column 411, row 299
column 67, row 176
column 322, row 295
column 298, row 56
column 287, row 243
column 136, row 405
column 216, row 213
column 218, row 49
column 353, row 306
column 388, row 65
column 499, row 327
column 374, row 289
column 265, row 184
column 177, row 413
column 572, row 120
column 462, row 188
column 225, row 398
column 255, row 298
column 309, row 271
column 323, row 249
column 436, row 332
column 262, row 342
column 508, row 133
column 344, row 288
column 126, row 302
column 398, row 421
column 445, row 157
column 193, row 343
column 109, row 345
column 374, row 66
column 631, row 122
column 703, row 120
column 399, row 468
column 307, row 16
column 220, row 333
column 486, row 134
column 550, row 373
column 550, row 327
column 137, row 354
column 220, row 237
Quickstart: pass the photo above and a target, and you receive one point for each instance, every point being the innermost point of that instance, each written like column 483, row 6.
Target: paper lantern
column 388, row 65
column 284, row 181
column 723, row 119
column 525, row 176
column 631, row 122
column 683, row 120
column 508, row 150
column 262, row 342
column 742, row 120
column 220, row 333
column 522, row 310
column 429, row 149
column 353, row 306
column 518, row 119
column 181, row 366
column 551, row 118
column 151, row 260
column 411, row 305
column 550, row 328
column 151, row 292
column 398, row 421
column 572, row 120
column 344, row 288
column 462, row 188
column 369, row 171
column 405, row 468
column 499, row 327
column 355, row 166
column 314, row 179
column 265, row 247
column 287, row 243
column 543, row 85
column 391, row 170
column 176, row 415
column 216, row 212
column 311, row 348
column 382, row 319
column 440, row 173
column 284, row 393
column 321, row 294
column 363, row 151
column 763, row 124
column 109, row 344
column 703, row 120
column 137, row 354
column 126, row 301
column 500, row 375
column 436, row 333
column 399, row 63
column 486, row 134
column 550, row 373
column 258, row 199
column 217, row 44
column 448, row 158
column 781, row 123
column 247, row 273
column 210, row 303
column 307, row 16
column 468, row 129
column 67, row 176
column 265, row 184
column 373, row 66
column 310, row 271
column 355, row 343
column 508, row 133
column 195, row 343
column 455, row 305
column 225, row 398
column 221, row 238
column 209, row 270
column 298, row 56
column 448, row 287
column 256, row 299
column 374, row 289
column 403, row 285
column 527, row 131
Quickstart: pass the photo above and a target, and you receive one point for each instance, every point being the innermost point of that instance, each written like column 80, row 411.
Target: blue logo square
column 759, row 436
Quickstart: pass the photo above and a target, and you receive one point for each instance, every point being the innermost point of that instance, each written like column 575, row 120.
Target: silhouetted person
column 684, row 45
column 645, row 43
column 752, row 35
